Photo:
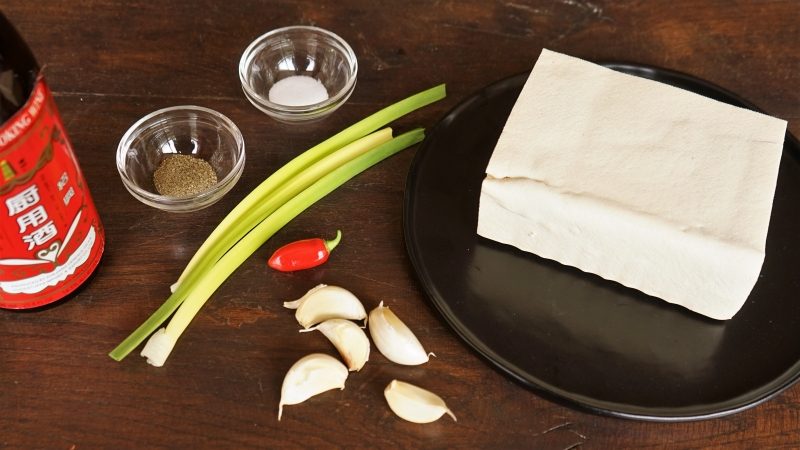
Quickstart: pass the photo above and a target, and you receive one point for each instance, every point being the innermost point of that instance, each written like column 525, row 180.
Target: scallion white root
column 158, row 348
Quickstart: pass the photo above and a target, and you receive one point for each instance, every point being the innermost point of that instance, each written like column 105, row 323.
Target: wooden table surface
column 109, row 63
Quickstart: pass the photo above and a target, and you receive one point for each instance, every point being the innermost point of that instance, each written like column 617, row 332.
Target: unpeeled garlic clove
column 348, row 338
column 394, row 339
column 326, row 302
column 415, row 404
column 311, row 375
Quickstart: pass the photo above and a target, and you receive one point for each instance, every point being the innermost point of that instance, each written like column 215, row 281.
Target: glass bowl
column 187, row 130
column 298, row 50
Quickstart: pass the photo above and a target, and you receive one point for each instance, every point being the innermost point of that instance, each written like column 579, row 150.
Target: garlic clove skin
column 349, row 339
column 394, row 339
column 326, row 302
column 309, row 376
column 294, row 304
column 415, row 404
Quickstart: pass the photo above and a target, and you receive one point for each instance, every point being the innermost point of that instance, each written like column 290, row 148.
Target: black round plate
column 576, row 336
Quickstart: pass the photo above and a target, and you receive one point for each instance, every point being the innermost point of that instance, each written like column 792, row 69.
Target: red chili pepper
column 303, row 254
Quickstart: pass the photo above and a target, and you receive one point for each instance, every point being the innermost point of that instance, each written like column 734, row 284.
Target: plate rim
column 778, row 385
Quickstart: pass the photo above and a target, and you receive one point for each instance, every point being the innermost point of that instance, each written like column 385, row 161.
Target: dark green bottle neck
column 18, row 70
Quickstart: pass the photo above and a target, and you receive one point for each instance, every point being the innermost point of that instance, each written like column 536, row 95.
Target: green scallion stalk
column 281, row 195
column 227, row 232
column 165, row 339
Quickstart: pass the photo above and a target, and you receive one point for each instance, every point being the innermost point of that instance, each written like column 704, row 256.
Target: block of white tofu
column 651, row 186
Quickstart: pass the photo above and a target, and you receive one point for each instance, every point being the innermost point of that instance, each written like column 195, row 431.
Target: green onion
column 242, row 218
column 281, row 195
column 165, row 339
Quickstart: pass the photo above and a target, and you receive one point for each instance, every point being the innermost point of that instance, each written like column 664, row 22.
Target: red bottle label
column 51, row 238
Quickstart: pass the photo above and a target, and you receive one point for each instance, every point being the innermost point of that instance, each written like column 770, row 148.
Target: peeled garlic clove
column 349, row 339
column 326, row 302
column 311, row 375
column 394, row 339
column 415, row 404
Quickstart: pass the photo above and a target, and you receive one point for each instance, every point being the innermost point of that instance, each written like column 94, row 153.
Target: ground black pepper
column 183, row 176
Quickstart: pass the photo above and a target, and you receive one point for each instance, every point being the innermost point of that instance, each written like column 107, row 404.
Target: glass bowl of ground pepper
column 298, row 73
column 181, row 159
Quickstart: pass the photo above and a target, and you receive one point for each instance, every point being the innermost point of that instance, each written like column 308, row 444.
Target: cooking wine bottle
column 51, row 238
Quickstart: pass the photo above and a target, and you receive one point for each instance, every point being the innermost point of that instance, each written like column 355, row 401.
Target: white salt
column 298, row 90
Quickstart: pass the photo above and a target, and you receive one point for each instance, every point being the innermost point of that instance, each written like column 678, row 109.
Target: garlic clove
column 415, row 404
column 309, row 376
column 349, row 339
column 394, row 339
column 326, row 302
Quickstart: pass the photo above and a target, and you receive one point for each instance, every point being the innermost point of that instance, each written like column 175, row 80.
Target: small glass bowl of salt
column 298, row 73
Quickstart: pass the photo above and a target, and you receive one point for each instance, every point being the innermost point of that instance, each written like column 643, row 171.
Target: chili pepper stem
column 330, row 245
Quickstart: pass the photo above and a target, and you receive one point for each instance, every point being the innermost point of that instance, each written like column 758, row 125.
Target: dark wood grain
column 109, row 63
